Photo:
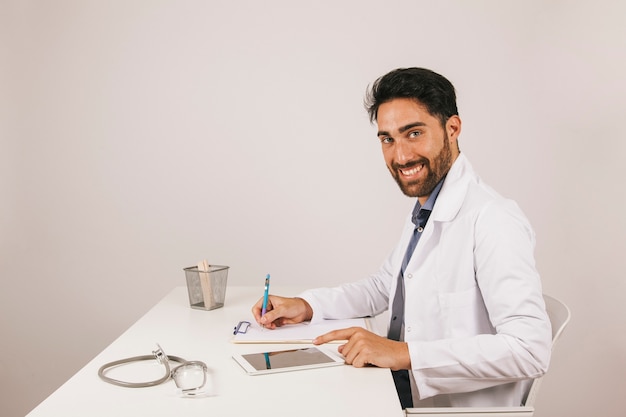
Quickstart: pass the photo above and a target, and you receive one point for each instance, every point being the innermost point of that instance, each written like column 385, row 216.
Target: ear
column 453, row 128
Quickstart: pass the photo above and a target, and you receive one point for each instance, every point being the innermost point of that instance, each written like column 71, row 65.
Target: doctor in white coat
column 475, row 330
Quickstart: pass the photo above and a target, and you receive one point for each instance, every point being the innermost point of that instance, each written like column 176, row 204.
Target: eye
column 386, row 139
column 414, row 134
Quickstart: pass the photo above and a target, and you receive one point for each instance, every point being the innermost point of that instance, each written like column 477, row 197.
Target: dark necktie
column 401, row 378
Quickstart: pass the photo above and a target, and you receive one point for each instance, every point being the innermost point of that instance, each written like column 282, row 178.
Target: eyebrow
column 403, row 128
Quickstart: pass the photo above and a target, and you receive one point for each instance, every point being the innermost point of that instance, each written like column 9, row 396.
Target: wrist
column 308, row 310
column 403, row 357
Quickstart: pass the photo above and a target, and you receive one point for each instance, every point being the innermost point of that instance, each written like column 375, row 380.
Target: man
column 468, row 323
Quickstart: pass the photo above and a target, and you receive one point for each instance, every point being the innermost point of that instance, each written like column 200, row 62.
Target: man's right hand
column 282, row 310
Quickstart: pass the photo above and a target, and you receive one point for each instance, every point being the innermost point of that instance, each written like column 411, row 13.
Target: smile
column 408, row 172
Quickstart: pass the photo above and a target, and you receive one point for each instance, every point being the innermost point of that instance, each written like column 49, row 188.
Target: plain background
column 139, row 137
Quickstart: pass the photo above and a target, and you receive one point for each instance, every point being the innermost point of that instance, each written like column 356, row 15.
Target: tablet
column 287, row 360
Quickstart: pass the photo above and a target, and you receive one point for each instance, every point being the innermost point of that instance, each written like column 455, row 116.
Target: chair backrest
column 559, row 316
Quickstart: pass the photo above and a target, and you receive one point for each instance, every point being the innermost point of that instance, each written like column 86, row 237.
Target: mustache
column 410, row 164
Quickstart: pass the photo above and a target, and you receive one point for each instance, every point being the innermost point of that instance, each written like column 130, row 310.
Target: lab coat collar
column 454, row 190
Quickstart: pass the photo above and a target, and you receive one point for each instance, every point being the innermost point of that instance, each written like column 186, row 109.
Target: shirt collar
column 429, row 204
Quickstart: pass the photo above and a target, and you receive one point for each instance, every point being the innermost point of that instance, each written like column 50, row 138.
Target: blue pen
column 265, row 294
column 268, row 364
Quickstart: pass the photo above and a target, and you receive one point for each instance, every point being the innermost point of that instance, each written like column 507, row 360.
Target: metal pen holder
column 207, row 289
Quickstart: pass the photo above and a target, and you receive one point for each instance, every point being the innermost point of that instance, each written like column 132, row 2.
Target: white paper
column 296, row 333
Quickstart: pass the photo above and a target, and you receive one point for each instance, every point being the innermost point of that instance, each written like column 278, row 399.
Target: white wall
column 139, row 137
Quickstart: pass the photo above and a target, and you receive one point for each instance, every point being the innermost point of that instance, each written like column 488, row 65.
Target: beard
column 436, row 170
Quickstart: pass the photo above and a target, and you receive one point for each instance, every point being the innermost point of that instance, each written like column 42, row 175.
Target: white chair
column 559, row 316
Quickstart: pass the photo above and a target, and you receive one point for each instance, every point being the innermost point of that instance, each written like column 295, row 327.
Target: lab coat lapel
column 448, row 204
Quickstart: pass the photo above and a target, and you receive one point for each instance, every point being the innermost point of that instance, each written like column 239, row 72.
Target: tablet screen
column 285, row 360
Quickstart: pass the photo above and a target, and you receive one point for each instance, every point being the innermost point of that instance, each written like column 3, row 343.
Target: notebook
column 296, row 333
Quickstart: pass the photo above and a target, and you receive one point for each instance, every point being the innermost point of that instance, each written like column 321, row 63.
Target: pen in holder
column 206, row 285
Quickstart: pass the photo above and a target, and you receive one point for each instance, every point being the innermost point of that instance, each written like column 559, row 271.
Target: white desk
column 205, row 335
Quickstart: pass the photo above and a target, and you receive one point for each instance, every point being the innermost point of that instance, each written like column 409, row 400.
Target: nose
column 403, row 152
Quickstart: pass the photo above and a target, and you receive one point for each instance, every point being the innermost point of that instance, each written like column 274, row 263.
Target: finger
column 341, row 334
column 355, row 350
column 358, row 354
column 279, row 311
column 360, row 360
column 256, row 310
column 273, row 316
column 350, row 354
column 348, row 351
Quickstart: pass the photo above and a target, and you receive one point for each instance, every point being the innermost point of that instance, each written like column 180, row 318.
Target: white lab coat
column 475, row 320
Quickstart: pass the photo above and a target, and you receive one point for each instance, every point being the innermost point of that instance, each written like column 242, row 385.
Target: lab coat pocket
column 464, row 313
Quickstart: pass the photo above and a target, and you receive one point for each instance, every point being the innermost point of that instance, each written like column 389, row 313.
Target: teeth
column 412, row 171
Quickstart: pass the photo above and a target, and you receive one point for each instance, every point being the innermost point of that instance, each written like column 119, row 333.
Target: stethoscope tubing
column 168, row 371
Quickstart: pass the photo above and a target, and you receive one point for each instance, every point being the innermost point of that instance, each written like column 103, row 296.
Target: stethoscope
column 190, row 376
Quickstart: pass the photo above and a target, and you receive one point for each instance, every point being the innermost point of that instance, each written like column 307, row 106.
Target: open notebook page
column 296, row 333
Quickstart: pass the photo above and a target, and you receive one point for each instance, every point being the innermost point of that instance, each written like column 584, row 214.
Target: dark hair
column 426, row 87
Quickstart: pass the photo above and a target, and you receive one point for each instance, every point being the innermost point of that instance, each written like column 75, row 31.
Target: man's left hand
column 366, row 348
